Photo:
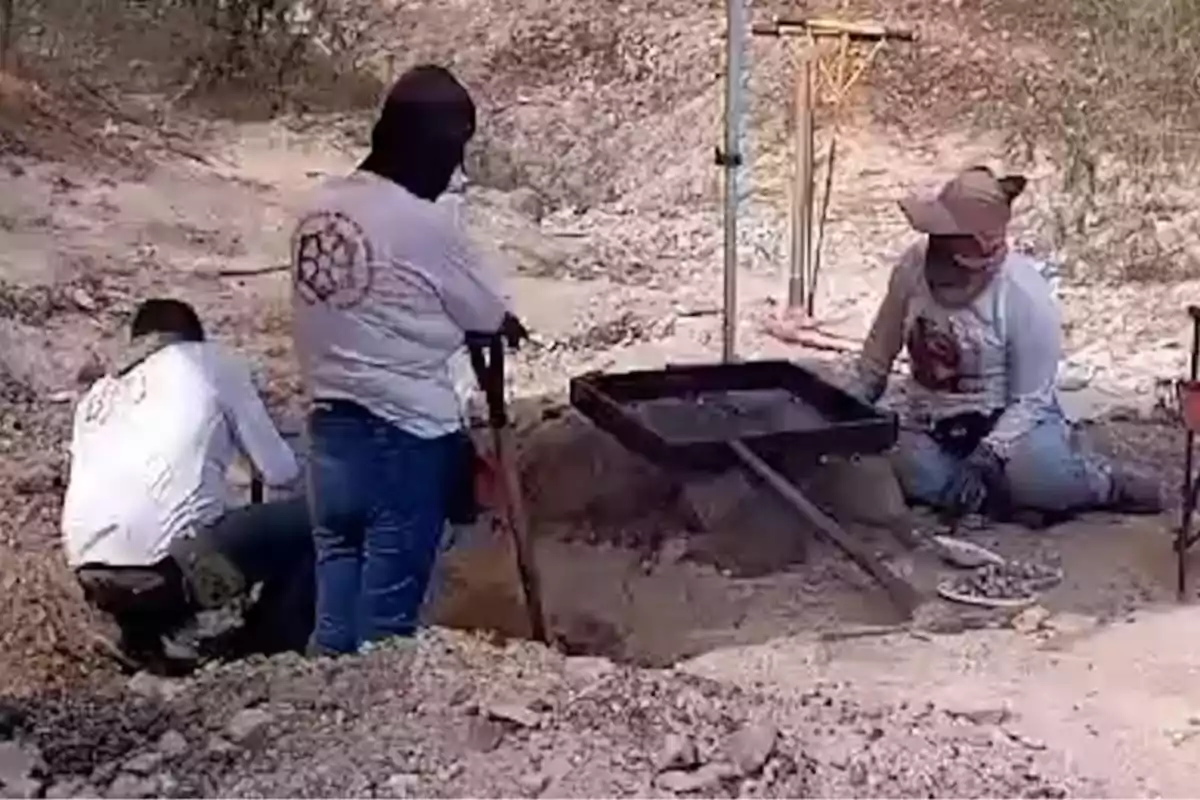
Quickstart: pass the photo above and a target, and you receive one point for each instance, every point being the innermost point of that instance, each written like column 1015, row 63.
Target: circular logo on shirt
column 331, row 259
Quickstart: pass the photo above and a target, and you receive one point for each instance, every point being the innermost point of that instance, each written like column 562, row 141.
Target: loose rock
column 749, row 748
column 590, row 668
column 131, row 786
column 982, row 716
column 484, row 735
column 248, row 726
column 153, row 687
column 1030, row 620
column 403, row 782
column 172, row 744
column 144, row 763
column 535, row 783
column 678, row 752
column 18, row 765
column 217, row 746
column 72, row 787
column 519, row 715
column 706, row 777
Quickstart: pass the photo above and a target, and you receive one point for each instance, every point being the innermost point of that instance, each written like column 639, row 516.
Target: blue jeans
column 1048, row 470
column 378, row 496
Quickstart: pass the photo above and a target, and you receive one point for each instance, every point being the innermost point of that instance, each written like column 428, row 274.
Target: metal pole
column 735, row 34
column 799, row 279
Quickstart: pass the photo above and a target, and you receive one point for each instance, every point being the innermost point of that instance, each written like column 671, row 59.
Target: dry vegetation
column 1123, row 116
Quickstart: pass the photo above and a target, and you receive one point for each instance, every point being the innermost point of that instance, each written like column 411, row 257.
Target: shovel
column 487, row 362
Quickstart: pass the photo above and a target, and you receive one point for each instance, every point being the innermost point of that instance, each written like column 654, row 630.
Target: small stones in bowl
column 1012, row 581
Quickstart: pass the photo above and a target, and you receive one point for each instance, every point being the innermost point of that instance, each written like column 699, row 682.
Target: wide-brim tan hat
column 973, row 203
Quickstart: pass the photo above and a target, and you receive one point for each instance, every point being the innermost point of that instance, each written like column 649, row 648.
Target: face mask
column 956, row 277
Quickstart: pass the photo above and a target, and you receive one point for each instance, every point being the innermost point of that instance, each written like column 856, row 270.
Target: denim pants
column 378, row 496
column 1048, row 469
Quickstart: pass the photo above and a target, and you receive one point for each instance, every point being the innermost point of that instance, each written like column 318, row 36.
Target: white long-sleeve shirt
column 151, row 449
column 384, row 286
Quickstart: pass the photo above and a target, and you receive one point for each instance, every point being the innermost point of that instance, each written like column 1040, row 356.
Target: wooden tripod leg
column 1184, row 539
column 1185, row 526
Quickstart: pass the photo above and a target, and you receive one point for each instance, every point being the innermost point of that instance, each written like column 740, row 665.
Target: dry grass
column 1104, row 94
column 1121, row 119
column 252, row 57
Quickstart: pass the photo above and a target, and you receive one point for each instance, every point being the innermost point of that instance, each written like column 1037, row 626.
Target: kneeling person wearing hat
column 981, row 425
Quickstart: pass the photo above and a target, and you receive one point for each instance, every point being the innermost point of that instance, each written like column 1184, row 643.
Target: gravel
column 1008, row 581
column 400, row 722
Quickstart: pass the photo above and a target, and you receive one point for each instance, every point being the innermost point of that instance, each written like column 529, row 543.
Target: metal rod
column 735, row 22
column 802, row 188
column 527, row 570
column 901, row 591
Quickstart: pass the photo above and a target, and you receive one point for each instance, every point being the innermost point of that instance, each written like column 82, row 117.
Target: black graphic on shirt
column 113, row 395
column 98, row 405
column 331, row 259
column 942, row 361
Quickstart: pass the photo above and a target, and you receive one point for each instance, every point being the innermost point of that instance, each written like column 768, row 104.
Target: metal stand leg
column 1184, row 539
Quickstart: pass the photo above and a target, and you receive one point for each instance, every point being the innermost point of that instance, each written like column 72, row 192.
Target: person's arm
column 254, row 431
column 1034, row 349
column 468, row 293
column 874, row 364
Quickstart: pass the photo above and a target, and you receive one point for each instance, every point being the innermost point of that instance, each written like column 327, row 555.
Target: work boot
column 1134, row 492
column 134, row 657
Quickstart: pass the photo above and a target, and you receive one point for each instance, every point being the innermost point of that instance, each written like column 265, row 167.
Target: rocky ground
column 728, row 665
column 452, row 716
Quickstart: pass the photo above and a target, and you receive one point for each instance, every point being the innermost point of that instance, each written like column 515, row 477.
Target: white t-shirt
column 150, row 452
column 384, row 286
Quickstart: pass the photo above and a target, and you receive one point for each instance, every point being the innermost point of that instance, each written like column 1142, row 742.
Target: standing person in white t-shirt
column 150, row 523
column 385, row 287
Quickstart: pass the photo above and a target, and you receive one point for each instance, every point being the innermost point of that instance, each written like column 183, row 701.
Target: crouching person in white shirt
column 151, row 525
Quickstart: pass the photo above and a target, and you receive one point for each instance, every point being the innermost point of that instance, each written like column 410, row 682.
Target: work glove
column 513, row 331
column 978, row 475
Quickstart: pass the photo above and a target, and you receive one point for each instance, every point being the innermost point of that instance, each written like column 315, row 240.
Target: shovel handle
column 486, row 351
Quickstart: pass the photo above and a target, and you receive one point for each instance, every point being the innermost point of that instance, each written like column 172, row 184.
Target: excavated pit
column 626, row 573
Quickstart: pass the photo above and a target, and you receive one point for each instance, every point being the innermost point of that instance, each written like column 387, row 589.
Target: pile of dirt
column 451, row 716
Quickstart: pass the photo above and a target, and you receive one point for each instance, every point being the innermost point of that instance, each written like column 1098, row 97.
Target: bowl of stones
column 1011, row 584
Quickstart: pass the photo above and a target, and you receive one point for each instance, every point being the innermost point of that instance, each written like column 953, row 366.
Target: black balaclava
column 422, row 131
